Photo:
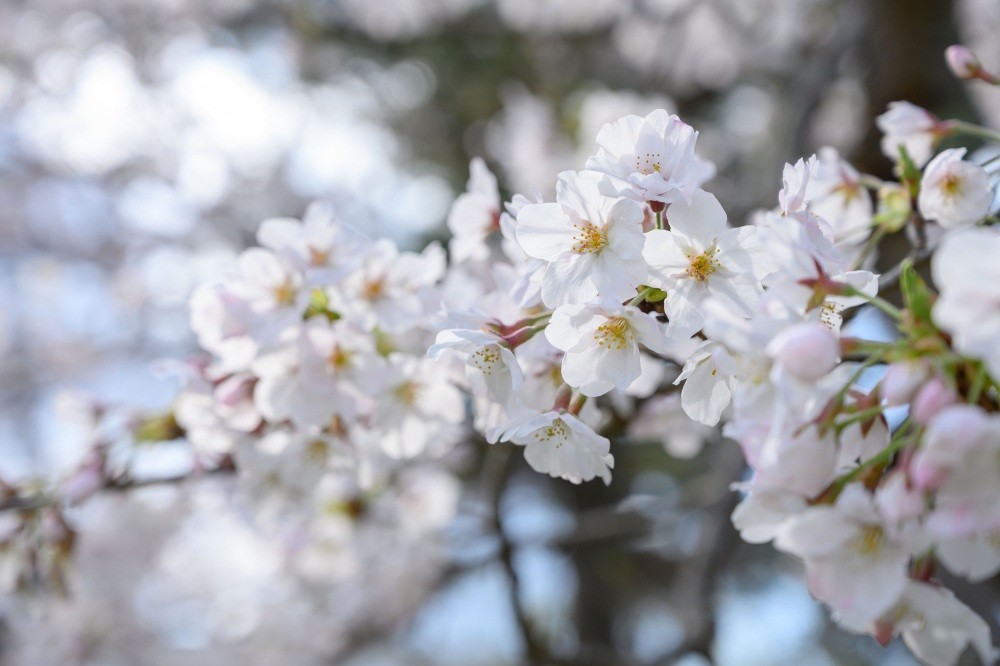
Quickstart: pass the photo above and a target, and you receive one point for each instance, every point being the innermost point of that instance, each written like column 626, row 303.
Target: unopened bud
column 897, row 501
column 957, row 428
column 901, row 381
column 932, row 397
column 925, row 472
column 964, row 64
column 808, row 350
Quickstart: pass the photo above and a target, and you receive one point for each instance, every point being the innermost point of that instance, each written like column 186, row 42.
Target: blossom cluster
column 341, row 368
column 635, row 269
column 318, row 393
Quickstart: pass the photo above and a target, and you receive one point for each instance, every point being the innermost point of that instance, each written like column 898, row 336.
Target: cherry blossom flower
column 474, row 215
column 391, row 289
column 650, row 159
column 835, row 194
column 852, row 563
column 933, row 624
column 967, row 274
column 911, row 127
column 601, row 346
column 487, row 359
column 319, row 376
column 953, row 192
column 417, row 406
column 319, row 246
column 592, row 243
column 701, row 257
column 561, row 445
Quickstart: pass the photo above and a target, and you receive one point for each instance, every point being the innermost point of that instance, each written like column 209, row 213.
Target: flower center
column 951, row 185
column 555, row 433
column 486, row 359
column 339, row 358
column 869, row 542
column 615, row 333
column 648, row 164
column 317, row 451
column 318, row 257
column 374, row 289
column 590, row 239
column 703, row 265
column 408, row 392
column 849, row 190
column 284, row 293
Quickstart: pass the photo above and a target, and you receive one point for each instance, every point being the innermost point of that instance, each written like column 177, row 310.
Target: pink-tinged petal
column 816, row 532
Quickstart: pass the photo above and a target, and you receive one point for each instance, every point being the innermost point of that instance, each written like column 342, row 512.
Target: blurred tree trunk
column 905, row 51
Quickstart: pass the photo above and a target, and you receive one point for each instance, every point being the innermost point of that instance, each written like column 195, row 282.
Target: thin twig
column 41, row 500
column 498, row 464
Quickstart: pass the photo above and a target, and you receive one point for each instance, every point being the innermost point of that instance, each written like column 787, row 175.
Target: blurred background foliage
column 142, row 141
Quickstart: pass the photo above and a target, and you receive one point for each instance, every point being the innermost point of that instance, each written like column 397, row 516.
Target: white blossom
column 699, row 258
column 474, row 215
column 601, row 346
column 911, row 127
column 591, row 243
column 954, row 192
column 561, row 445
column 967, row 274
column 650, row 159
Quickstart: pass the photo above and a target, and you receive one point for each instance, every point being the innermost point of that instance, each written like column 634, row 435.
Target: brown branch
column 498, row 463
column 13, row 502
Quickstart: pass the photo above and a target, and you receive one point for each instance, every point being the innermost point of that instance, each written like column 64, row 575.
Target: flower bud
column 234, row 390
column 962, row 62
column 925, row 473
column 898, row 502
column 901, row 381
column 956, row 428
column 808, row 350
column 932, row 397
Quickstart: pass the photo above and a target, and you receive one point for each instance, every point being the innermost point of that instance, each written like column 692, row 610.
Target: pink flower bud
column 897, row 501
column 808, row 350
column 925, row 473
column 234, row 390
column 957, row 428
column 962, row 62
column 901, row 381
column 932, row 397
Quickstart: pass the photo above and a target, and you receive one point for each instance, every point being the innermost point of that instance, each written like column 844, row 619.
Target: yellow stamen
column 590, row 239
column 703, row 265
column 556, row 433
column 615, row 333
column 284, row 293
column 870, row 541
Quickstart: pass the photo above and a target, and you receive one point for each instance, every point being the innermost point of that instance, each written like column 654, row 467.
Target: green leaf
column 909, row 172
column 917, row 296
